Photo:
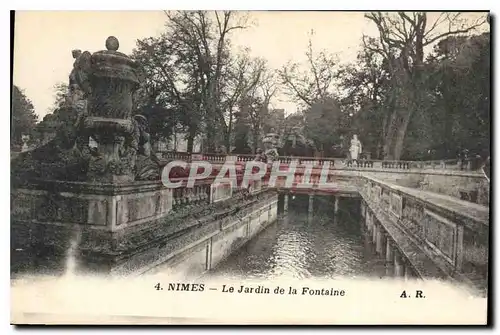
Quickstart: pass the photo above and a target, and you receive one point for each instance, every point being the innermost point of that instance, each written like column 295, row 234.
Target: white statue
column 25, row 139
column 355, row 148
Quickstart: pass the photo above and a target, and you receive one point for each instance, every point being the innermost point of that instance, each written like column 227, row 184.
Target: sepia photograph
column 250, row 167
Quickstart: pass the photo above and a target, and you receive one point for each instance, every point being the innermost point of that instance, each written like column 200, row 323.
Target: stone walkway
column 467, row 209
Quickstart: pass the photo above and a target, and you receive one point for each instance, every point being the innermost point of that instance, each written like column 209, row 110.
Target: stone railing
column 195, row 196
column 181, row 156
column 335, row 163
column 206, row 192
column 452, row 232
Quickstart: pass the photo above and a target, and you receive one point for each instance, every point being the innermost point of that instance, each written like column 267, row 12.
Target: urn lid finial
column 112, row 43
column 111, row 63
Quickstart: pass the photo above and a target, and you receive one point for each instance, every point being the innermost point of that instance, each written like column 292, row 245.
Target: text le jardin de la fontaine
column 259, row 289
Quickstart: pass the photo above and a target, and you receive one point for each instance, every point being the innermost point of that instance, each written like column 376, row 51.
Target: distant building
column 177, row 142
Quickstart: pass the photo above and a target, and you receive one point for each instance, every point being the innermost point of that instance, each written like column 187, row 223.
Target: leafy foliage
column 23, row 116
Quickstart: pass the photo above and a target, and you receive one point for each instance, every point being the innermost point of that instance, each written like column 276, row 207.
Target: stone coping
column 472, row 211
column 99, row 188
column 104, row 188
column 427, row 265
column 426, row 171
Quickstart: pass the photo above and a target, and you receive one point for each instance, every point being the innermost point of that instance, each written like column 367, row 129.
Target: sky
column 43, row 41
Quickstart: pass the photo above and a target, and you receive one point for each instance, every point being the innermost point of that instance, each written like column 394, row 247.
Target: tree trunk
column 390, row 123
column 190, row 142
column 407, row 103
column 400, row 136
column 210, row 143
column 227, row 139
column 390, row 135
column 255, row 140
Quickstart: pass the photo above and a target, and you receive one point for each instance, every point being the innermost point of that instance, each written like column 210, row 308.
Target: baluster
column 195, row 199
column 206, row 193
column 176, row 199
column 200, row 193
column 180, row 200
column 190, row 197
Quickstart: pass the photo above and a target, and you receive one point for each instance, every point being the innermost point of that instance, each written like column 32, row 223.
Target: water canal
column 328, row 246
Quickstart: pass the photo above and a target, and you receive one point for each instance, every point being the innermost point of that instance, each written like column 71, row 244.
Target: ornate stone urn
column 271, row 142
column 111, row 78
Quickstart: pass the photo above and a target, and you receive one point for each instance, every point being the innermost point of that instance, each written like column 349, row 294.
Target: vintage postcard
column 259, row 167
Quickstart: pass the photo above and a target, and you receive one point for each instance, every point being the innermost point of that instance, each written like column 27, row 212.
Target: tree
column 324, row 124
column 246, row 76
column 159, row 97
column 254, row 103
column 61, row 115
column 365, row 86
column 294, row 143
column 313, row 83
column 23, row 116
column 312, row 86
column 402, row 39
column 190, row 70
column 241, row 134
column 460, row 86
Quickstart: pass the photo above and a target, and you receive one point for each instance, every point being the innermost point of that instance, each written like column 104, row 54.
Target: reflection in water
column 71, row 264
column 292, row 247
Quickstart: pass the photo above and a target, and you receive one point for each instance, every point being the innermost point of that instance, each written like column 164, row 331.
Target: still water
column 327, row 246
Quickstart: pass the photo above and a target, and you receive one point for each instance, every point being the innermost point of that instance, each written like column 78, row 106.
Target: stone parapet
column 116, row 225
column 440, row 236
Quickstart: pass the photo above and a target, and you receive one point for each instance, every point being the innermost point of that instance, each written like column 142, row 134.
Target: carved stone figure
column 101, row 87
column 355, row 148
column 147, row 165
column 270, row 147
column 79, row 78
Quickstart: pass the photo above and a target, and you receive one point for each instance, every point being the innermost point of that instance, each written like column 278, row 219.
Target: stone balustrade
column 335, row 163
column 451, row 233
column 195, row 196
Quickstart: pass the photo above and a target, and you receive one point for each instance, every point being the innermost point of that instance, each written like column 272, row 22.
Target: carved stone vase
column 113, row 80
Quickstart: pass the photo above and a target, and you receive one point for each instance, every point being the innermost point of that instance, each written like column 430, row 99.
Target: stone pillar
column 336, row 206
column 389, row 251
column 389, row 257
column 367, row 239
column 369, row 222
column 398, row 264
column 375, row 228
column 380, row 243
column 285, row 203
column 408, row 272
